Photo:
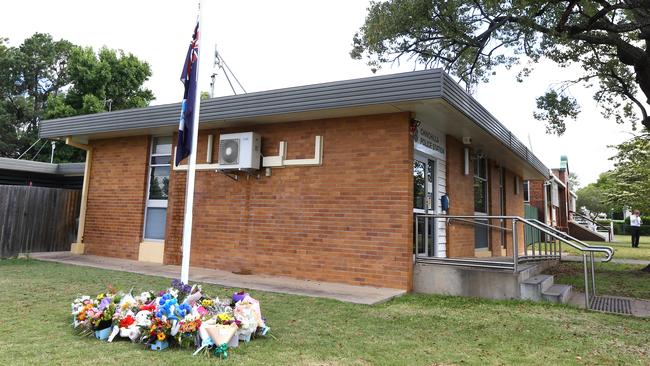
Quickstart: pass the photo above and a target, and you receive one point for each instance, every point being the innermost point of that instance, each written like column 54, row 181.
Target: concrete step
column 559, row 294
column 533, row 287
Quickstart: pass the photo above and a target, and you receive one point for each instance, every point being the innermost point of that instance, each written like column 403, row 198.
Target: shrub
column 644, row 219
column 621, row 228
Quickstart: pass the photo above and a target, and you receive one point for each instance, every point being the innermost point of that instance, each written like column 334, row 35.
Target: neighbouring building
column 555, row 203
column 344, row 168
column 35, row 173
column 39, row 205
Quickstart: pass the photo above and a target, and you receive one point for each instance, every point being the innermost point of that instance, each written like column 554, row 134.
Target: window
column 480, row 185
column 526, row 192
column 419, row 187
column 158, row 190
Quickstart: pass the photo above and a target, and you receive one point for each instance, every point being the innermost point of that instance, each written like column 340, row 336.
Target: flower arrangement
column 179, row 316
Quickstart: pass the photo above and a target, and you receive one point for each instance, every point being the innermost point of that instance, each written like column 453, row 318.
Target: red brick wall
column 514, row 207
column 494, row 175
column 116, row 197
column 349, row 220
column 460, row 238
column 536, row 196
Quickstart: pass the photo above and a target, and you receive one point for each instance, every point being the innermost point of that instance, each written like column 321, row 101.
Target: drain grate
column 611, row 305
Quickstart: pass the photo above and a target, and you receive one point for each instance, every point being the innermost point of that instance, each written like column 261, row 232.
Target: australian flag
column 188, row 77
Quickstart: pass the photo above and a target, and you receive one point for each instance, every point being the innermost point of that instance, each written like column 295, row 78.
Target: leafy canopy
column 627, row 185
column 44, row 78
column 608, row 39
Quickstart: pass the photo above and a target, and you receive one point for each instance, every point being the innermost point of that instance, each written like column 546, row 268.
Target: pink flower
column 202, row 310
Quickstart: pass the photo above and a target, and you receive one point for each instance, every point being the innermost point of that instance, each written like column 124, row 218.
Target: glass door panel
column 423, row 203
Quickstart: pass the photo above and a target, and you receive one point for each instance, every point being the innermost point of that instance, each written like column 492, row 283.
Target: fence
column 531, row 235
column 37, row 219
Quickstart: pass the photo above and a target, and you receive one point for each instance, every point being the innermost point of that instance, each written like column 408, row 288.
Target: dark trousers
column 634, row 231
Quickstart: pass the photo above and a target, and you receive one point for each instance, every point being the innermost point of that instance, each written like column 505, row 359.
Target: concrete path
column 286, row 285
column 577, row 258
column 640, row 308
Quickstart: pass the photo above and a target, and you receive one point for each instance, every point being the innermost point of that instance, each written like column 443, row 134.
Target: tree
column 608, row 39
column 43, row 78
column 630, row 179
column 593, row 196
column 29, row 74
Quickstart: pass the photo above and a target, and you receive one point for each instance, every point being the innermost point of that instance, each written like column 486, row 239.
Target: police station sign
column 429, row 141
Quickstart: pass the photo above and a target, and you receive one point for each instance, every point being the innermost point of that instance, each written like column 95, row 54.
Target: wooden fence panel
column 37, row 219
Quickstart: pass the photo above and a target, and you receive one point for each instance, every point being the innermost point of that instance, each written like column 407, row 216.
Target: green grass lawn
column 411, row 330
column 622, row 248
column 611, row 278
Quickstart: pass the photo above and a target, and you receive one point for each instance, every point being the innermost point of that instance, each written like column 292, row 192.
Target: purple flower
column 104, row 303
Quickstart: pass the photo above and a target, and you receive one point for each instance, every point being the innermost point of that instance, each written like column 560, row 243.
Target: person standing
column 635, row 227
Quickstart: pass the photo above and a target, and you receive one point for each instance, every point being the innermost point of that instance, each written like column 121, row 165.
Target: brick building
column 556, row 205
column 344, row 168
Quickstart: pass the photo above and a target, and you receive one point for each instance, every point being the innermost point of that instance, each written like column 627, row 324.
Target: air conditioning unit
column 240, row 151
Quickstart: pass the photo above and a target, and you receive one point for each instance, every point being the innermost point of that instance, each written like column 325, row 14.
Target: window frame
column 484, row 182
column 526, row 191
column 155, row 203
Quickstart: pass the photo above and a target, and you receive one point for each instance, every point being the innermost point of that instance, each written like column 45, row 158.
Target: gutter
column 78, row 246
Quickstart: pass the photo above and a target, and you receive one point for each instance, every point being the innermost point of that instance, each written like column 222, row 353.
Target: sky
column 282, row 43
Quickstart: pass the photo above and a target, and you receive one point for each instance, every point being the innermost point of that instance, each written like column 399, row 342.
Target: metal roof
column 43, row 168
column 377, row 90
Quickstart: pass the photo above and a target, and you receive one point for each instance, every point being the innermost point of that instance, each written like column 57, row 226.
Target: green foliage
column 630, row 179
column 625, row 186
column 645, row 219
column 44, row 79
column 594, row 195
column 554, row 109
column 472, row 38
column 624, row 229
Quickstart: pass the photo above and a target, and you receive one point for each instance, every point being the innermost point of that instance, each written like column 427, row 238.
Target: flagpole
column 191, row 169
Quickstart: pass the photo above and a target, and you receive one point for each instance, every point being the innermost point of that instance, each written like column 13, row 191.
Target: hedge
column 645, row 219
column 624, row 229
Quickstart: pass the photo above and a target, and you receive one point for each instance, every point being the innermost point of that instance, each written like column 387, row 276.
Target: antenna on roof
column 530, row 143
column 221, row 64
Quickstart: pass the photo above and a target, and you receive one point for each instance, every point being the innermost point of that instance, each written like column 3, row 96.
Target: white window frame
column 430, row 206
column 526, row 190
column 154, row 203
column 486, row 181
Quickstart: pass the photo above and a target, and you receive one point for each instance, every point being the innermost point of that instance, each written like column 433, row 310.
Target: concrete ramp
column 583, row 233
column 287, row 285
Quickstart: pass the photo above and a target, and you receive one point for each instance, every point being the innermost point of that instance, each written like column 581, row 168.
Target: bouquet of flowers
column 179, row 316
column 188, row 332
column 160, row 330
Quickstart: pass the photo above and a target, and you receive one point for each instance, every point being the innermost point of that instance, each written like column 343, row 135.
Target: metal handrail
column 559, row 235
column 602, row 248
column 588, row 250
column 480, row 223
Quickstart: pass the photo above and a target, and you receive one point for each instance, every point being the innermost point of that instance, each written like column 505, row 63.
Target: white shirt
column 635, row 220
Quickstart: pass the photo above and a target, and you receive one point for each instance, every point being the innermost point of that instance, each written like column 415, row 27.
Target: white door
column 424, row 202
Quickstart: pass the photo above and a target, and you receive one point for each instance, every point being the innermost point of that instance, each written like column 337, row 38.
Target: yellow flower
column 161, row 336
column 207, row 302
column 224, row 317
